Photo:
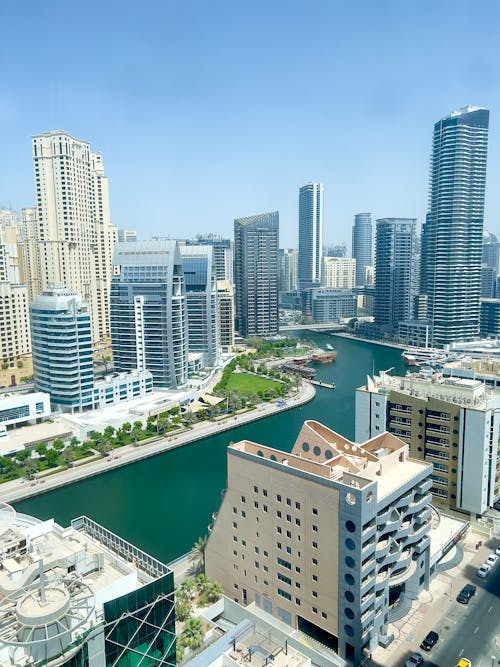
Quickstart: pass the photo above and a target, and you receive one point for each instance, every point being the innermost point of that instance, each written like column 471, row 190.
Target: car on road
column 491, row 560
column 466, row 593
column 484, row 571
column 414, row 660
column 464, row 662
column 497, row 551
column 429, row 641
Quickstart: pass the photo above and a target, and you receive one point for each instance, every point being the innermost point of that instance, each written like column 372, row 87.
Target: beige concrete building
column 453, row 423
column 225, row 305
column 324, row 536
column 338, row 272
column 70, row 240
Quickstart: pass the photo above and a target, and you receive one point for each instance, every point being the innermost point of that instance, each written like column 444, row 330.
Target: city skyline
column 213, row 118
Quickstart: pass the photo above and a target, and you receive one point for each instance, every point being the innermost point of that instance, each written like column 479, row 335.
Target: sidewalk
column 19, row 489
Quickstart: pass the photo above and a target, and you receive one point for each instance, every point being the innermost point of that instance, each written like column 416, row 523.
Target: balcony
column 384, row 516
column 403, row 576
column 369, row 531
column 381, row 580
column 405, row 529
column 382, row 547
column 404, row 500
column 424, row 486
column 390, row 526
column 418, row 533
column 366, row 584
column 393, row 555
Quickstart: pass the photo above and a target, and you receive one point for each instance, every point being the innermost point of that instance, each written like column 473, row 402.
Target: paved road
column 471, row 631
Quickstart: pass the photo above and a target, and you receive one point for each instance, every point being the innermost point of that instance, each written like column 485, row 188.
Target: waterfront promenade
column 20, row 489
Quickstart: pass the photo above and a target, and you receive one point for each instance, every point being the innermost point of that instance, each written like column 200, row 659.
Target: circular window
column 328, row 454
column 420, row 412
column 350, row 498
column 420, row 437
column 351, row 526
column 349, row 596
column 260, row 453
column 349, row 612
column 349, row 579
column 455, row 432
column 454, row 470
column 455, row 418
column 453, row 495
column 454, row 458
column 349, row 561
column 350, row 544
column 369, row 496
column 420, row 424
column 305, row 446
column 316, row 450
column 419, row 449
column 348, row 630
column 273, row 457
column 455, row 444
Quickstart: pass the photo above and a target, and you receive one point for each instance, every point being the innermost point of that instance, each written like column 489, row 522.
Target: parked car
column 491, row 560
column 484, row 571
column 429, row 640
column 497, row 551
column 466, row 593
column 496, row 504
column 414, row 660
column 464, row 662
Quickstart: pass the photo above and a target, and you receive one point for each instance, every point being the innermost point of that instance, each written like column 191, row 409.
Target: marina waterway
column 164, row 503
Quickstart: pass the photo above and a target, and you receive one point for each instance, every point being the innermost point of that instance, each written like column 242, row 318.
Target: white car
column 491, row 560
column 484, row 571
column 497, row 551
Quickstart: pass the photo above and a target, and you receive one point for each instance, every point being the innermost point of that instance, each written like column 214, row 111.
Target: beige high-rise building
column 71, row 239
column 225, row 306
column 338, row 272
column 14, row 315
column 319, row 537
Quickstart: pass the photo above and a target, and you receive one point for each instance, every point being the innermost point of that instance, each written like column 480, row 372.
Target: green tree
column 30, row 469
column 198, row 552
column 183, row 609
column 212, row 593
column 41, row 449
column 68, row 456
column 20, row 364
column 104, row 447
column 135, row 433
column 193, row 634
column 8, row 466
column 58, row 445
column 256, row 342
column 74, row 442
column 109, row 432
column 23, row 455
column 126, row 427
column 186, row 589
column 52, row 458
column 201, row 581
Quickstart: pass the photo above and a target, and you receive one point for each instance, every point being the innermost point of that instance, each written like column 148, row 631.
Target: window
column 278, row 498
column 284, row 563
column 278, row 544
column 297, row 602
column 297, row 506
column 315, row 545
column 289, row 517
column 297, row 569
column 314, row 610
column 256, row 550
column 284, row 594
column 235, row 511
column 243, row 514
column 266, row 569
column 289, row 501
column 297, row 584
column 235, row 525
column 315, row 577
column 278, row 514
column 314, row 594
column 266, row 553
column 264, row 492
column 315, row 529
column 279, row 529
column 289, row 550
column 243, row 499
column 315, row 561
column 256, row 489
column 297, row 522
column 264, row 507
column 315, row 511
column 284, row 578
column 289, row 534
column 323, row 615
column 257, row 564
column 256, row 505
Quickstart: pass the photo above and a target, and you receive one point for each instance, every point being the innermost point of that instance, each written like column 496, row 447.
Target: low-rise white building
column 17, row 409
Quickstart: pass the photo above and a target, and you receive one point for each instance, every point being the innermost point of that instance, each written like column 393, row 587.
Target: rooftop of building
column 320, row 451
column 27, row 437
column 483, row 366
column 431, row 384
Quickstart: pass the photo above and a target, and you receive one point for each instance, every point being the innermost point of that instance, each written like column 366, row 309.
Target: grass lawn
column 246, row 384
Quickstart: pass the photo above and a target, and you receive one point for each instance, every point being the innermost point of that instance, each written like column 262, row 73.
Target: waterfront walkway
column 19, row 489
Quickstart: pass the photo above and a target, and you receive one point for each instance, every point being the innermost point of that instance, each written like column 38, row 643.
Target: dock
column 325, row 385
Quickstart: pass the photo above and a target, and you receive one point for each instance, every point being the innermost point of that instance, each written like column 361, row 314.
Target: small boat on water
column 323, row 357
column 329, row 347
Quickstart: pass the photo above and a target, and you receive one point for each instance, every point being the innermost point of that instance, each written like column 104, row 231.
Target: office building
column 149, row 311
column 310, row 235
column 331, row 250
column 338, row 272
column 453, row 233
column 222, row 252
column 20, row 409
column 321, row 536
column 288, row 258
column 225, row 305
column 490, row 318
column 201, row 301
column 256, row 242
column 81, row 596
column 332, row 305
column 452, row 423
column 491, row 251
column 396, row 271
column 362, row 245
column 126, row 235
column 71, row 239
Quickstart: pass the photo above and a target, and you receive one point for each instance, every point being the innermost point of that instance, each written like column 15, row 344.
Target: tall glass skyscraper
column 396, row 269
column 362, row 245
column 310, row 234
column 148, row 311
column 452, row 243
column 256, row 241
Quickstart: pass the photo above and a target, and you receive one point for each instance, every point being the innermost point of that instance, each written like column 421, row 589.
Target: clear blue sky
column 207, row 111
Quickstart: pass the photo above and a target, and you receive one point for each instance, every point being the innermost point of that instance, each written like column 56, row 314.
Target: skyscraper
column 148, row 311
column 362, row 245
column 452, row 243
column 201, row 299
column 310, row 234
column 73, row 236
column 256, row 241
column 287, row 269
column 222, row 250
column 396, row 271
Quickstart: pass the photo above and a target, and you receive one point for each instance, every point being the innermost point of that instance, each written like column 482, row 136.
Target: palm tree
column 68, row 456
column 202, row 582
column 193, row 634
column 198, row 553
column 212, row 592
column 183, row 609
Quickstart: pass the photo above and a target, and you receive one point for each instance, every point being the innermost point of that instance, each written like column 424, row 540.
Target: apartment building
column 324, row 537
column 452, row 423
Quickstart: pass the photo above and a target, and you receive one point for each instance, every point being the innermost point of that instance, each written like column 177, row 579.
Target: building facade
column 362, row 245
column 490, row 318
column 201, row 300
column 81, row 596
column 225, row 305
column 332, row 305
column 452, row 423
column 256, row 242
column 288, row 258
column 324, row 536
column 396, row 272
column 452, row 243
column 310, row 234
column 149, row 311
column 339, row 272
column 19, row 409
column 71, row 239
column 222, row 253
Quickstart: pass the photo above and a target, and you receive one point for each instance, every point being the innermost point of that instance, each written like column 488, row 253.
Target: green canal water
column 164, row 503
